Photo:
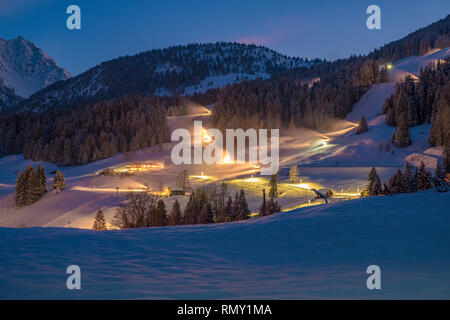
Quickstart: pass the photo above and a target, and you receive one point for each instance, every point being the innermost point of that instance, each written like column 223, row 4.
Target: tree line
column 205, row 205
column 410, row 179
column 416, row 102
column 86, row 133
column 31, row 185
column 287, row 101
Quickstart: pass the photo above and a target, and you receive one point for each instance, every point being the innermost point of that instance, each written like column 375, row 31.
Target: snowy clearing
column 317, row 252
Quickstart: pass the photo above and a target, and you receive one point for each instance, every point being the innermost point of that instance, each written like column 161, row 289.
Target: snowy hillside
column 26, row 68
column 345, row 148
column 320, row 252
column 180, row 69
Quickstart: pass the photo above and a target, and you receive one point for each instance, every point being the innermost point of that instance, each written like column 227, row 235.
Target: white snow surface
column 318, row 252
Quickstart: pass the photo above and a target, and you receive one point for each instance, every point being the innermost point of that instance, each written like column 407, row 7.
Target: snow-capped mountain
column 26, row 68
column 176, row 70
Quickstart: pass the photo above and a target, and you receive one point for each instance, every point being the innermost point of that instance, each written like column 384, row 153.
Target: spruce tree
column 407, row 179
column 175, row 215
column 99, row 223
column 423, row 182
column 243, row 211
column 362, row 126
column 446, row 156
column 293, row 173
column 273, row 184
column 42, row 178
column 206, row 215
column 439, row 173
column 395, row 182
column 19, row 194
column 402, row 138
column 58, row 181
column 235, row 207
column 159, row 214
column 374, row 186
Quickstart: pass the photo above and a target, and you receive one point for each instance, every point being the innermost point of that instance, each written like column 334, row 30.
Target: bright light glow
column 206, row 137
column 201, row 177
column 301, row 185
column 389, row 66
column 250, row 180
column 227, row 159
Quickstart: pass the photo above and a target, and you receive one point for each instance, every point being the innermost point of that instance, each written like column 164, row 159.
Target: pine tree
column 446, row 157
column 385, row 190
column 407, row 184
column 42, row 178
column 235, row 207
column 423, row 182
column 273, row 184
column 374, row 185
column 362, row 126
column 395, row 182
column 99, row 223
column 402, row 138
column 439, row 173
column 159, row 214
column 293, row 173
column 175, row 215
column 19, row 194
column 206, row 215
column 58, row 181
column 243, row 210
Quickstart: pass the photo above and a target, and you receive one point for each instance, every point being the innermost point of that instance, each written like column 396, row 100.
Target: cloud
column 266, row 39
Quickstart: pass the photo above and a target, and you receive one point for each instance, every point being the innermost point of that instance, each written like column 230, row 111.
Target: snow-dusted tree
column 362, row 126
column 99, row 223
column 446, row 157
column 243, row 211
column 408, row 182
column 42, row 178
column 402, row 138
column 206, row 215
column 58, row 181
column 395, row 182
column 423, row 182
column 374, row 186
column 293, row 173
column 273, row 183
column 19, row 194
column 175, row 215
column 439, row 173
column 159, row 214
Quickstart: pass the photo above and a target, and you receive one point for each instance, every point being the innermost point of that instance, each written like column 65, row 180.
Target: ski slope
column 318, row 252
column 349, row 149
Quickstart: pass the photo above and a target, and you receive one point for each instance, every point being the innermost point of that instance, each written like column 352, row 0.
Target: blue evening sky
column 312, row 29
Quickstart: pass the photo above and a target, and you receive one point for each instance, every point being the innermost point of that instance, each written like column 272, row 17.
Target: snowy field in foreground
column 318, row 252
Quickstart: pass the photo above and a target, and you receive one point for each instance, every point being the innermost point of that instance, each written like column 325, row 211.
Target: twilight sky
column 327, row 29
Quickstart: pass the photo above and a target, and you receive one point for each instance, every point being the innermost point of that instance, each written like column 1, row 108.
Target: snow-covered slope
column 345, row 148
column 318, row 252
column 411, row 66
column 26, row 68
